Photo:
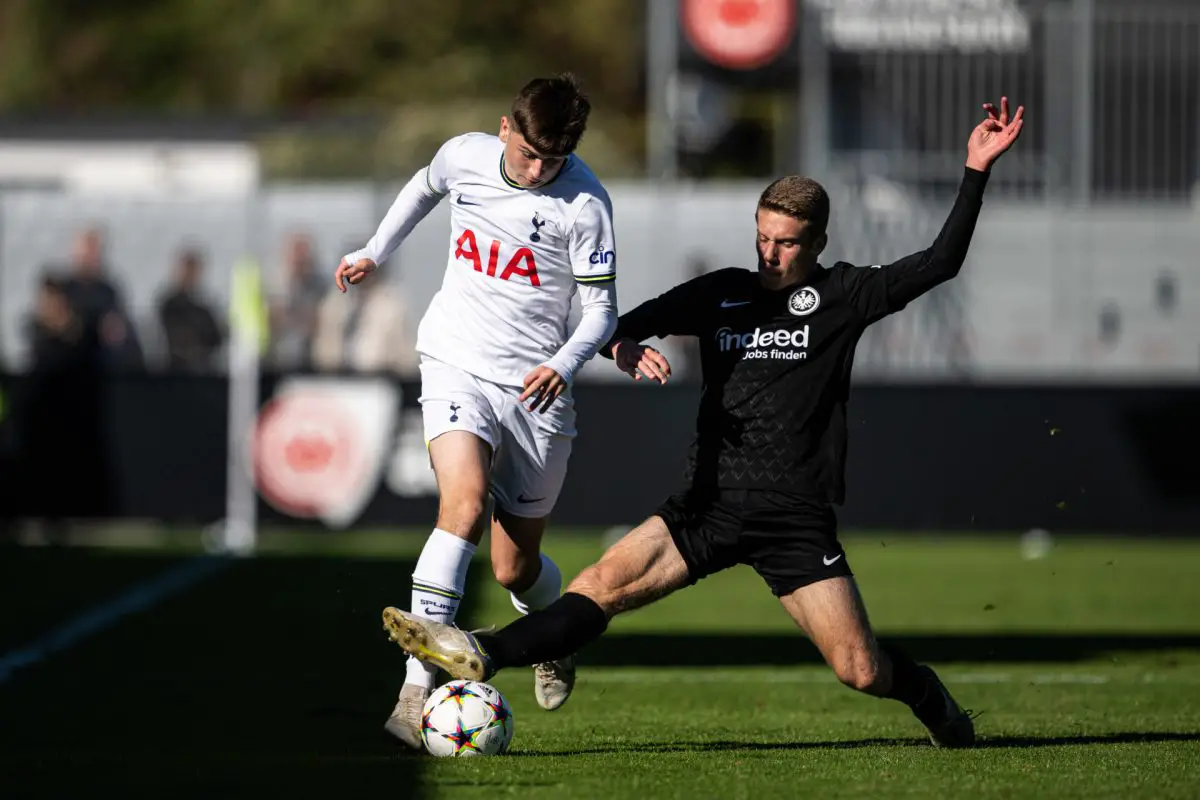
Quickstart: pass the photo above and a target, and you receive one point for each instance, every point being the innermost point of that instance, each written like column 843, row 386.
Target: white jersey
column 514, row 260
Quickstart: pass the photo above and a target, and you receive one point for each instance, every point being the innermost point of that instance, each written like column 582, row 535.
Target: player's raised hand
column 353, row 273
column 640, row 360
column 544, row 385
column 992, row 137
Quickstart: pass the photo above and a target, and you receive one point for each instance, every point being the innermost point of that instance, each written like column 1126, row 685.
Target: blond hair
column 800, row 198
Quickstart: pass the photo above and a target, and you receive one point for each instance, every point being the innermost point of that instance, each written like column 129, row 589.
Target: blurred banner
column 319, row 446
column 342, row 451
column 742, row 42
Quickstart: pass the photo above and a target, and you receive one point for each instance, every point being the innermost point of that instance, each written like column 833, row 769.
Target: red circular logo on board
column 739, row 34
column 308, row 453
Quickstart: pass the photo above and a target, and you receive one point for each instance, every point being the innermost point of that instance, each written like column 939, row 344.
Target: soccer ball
column 466, row 718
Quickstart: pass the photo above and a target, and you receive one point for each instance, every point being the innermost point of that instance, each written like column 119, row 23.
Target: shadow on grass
column 987, row 742
column 271, row 677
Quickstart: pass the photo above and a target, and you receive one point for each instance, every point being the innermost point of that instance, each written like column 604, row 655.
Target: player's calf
column 518, row 563
column 463, row 515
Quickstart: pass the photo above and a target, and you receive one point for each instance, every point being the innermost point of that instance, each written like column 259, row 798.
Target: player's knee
column 516, row 574
column 856, row 668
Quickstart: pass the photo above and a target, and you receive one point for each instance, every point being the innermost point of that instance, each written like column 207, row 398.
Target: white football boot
column 453, row 649
column 553, row 682
column 405, row 721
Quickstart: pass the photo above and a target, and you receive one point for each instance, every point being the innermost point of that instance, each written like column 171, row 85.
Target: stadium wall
column 923, row 457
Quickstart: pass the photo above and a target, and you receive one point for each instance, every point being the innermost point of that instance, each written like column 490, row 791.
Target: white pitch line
column 95, row 619
column 694, row 676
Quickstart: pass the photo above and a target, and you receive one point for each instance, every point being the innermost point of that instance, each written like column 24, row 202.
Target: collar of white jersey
column 510, row 182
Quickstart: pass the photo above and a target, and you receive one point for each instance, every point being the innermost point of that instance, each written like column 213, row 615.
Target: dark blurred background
column 178, row 181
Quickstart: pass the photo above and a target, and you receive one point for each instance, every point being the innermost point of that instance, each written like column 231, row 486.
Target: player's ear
column 504, row 128
column 819, row 245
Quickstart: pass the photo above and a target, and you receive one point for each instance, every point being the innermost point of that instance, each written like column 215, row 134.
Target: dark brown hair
column 799, row 198
column 552, row 114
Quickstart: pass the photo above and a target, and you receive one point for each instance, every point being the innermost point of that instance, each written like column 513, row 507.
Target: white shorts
column 529, row 450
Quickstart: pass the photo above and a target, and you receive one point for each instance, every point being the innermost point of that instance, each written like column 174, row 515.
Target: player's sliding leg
column 642, row 567
column 832, row 613
column 461, row 462
column 534, row 582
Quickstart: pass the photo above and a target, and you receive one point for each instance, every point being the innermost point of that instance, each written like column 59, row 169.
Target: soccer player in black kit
column 767, row 464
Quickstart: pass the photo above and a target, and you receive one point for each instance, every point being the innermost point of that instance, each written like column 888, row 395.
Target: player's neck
column 777, row 283
column 508, row 176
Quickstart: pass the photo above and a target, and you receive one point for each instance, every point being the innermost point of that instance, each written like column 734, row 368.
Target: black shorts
column 790, row 541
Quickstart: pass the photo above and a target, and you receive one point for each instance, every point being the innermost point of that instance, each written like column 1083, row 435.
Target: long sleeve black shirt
column 776, row 365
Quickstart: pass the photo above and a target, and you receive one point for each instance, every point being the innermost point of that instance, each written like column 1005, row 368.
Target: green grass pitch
column 271, row 677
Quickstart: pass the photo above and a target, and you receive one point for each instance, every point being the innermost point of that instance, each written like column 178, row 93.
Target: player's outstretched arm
column 993, row 136
column 676, row 312
column 414, row 202
column 878, row 292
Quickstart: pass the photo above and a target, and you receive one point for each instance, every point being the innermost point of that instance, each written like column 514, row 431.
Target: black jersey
column 776, row 364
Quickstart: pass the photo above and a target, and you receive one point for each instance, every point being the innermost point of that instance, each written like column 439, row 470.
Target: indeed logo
column 783, row 344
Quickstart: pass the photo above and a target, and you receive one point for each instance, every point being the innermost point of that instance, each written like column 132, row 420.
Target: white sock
column 545, row 590
column 437, row 589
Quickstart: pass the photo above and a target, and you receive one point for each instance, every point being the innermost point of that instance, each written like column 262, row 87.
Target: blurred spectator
column 193, row 334
column 56, row 329
column 366, row 330
column 294, row 311
column 98, row 302
column 57, row 416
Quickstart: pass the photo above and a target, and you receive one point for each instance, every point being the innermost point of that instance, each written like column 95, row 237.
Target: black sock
column 910, row 683
column 557, row 631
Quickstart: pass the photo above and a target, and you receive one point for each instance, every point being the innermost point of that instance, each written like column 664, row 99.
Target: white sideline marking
column 141, row 597
column 671, row 675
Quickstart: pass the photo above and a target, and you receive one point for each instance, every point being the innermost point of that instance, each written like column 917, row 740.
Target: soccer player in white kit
column 530, row 226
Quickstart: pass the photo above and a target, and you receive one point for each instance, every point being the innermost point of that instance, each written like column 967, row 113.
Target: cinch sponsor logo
column 788, row 345
column 602, row 256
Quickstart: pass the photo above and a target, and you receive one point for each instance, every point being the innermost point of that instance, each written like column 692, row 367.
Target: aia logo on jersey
column 520, row 263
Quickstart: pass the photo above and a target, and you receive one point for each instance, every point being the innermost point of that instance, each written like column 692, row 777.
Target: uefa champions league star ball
column 466, row 718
